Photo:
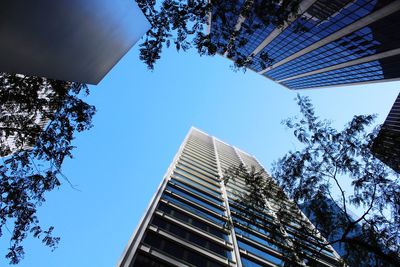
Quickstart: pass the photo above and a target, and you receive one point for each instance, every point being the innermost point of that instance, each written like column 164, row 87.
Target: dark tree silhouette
column 315, row 178
column 184, row 24
column 38, row 120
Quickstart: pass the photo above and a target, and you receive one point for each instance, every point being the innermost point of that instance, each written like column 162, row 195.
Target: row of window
column 198, row 191
column 227, row 156
column 178, row 251
column 186, row 217
column 197, row 183
column 196, row 209
column 198, row 165
column 211, row 183
column 260, row 252
column 192, row 237
column 198, row 199
column 206, row 150
column 200, row 162
column 197, row 171
column 357, row 73
column 205, row 157
column 375, row 38
column 291, row 41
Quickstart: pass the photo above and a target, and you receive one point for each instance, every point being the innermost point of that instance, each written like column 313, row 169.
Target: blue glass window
column 249, row 263
column 375, row 38
column 181, row 216
column 210, row 183
column 194, row 199
column 291, row 41
column 194, row 183
column 197, row 191
column 194, row 210
column 358, row 73
column 178, row 251
column 191, row 237
column 257, row 239
column 260, row 253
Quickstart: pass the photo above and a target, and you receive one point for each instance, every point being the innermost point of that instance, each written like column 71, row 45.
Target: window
column 195, row 183
column 210, row 183
column 260, row 253
column 178, row 251
column 192, row 221
column 194, row 210
column 258, row 239
column 196, row 191
column 196, row 200
column 143, row 260
column 191, row 237
column 249, row 263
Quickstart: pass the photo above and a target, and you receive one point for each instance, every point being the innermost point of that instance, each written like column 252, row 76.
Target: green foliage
column 39, row 119
column 313, row 175
column 313, row 178
column 184, row 24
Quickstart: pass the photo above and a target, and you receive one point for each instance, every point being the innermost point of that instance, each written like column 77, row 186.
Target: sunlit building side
column 195, row 219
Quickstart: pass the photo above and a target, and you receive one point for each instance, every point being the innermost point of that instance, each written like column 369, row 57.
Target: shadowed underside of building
column 345, row 42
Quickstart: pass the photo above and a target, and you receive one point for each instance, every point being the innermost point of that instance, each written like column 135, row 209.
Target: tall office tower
column 386, row 146
column 195, row 219
column 344, row 42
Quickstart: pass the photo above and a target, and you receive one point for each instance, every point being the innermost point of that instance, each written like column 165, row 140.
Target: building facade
column 68, row 40
column 195, row 219
column 330, row 43
column 386, row 146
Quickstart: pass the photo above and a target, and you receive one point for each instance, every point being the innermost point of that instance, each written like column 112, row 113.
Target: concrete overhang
column 71, row 40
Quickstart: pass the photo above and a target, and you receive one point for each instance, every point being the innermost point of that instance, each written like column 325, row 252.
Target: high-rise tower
column 386, row 146
column 342, row 42
column 194, row 219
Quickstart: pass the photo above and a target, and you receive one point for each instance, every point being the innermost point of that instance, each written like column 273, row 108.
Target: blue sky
column 142, row 119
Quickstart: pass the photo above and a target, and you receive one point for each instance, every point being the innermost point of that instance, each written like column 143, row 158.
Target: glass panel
column 210, row 182
column 194, row 199
column 178, row 251
column 258, row 239
column 260, row 253
column 248, row 263
column 196, row 191
column 144, row 260
column 191, row 237
column 193, row 209
column 192, row 221
column 195, row 183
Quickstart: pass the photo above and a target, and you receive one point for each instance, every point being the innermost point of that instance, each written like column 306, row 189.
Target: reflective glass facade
column 386, row 146
column 344, row 42
column 195, row 219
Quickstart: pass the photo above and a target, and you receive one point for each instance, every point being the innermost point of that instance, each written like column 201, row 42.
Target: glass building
column 386, row 146
column 195, row 219
column 343, row 42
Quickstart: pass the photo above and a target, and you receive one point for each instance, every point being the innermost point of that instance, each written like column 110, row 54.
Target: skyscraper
column 343, row 42
column 68, row 40
column 195, row 219
column 386, row 146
